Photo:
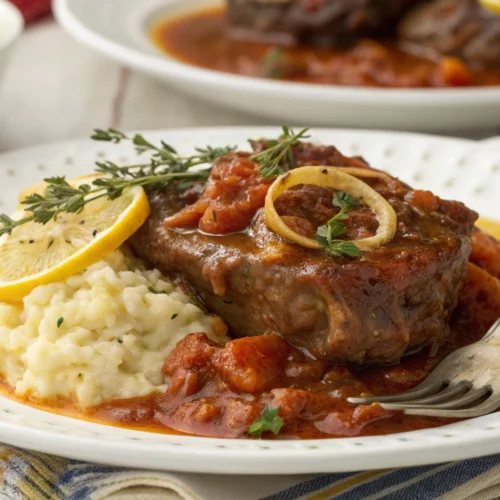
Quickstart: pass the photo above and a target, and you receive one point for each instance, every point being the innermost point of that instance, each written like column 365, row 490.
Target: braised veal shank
column 331, row 22
column 369, row 309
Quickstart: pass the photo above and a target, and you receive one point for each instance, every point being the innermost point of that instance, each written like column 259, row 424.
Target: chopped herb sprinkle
column 94, row 233
column 174, row 316
column 60, row 321
column 268, row 421
column 119, row 340
column 155, row 291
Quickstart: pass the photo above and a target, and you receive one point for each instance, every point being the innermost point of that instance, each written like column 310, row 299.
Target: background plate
column 118, row 29
column 453, row 168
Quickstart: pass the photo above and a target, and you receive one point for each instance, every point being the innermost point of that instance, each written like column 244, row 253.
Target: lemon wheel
column 36, row 254
column 490, row 226
column 493, row 5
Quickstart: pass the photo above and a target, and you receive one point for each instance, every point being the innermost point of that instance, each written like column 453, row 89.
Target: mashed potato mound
column 100, row 335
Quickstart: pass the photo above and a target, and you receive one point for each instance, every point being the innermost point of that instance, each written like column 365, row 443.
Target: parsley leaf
column 326, row 235
column 155, row 291
column 340, row 247
column 342, row 199
column 268, row 421
column 60, row 321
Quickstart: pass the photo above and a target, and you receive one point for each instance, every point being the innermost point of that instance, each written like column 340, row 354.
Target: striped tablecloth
column 55, row 89
column 34, row 476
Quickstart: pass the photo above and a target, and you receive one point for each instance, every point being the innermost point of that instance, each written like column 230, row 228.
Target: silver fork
column 465, row 384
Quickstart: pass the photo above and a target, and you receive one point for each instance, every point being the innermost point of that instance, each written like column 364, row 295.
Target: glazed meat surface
column 290, row 22
column 370, row 309
column 460, row 28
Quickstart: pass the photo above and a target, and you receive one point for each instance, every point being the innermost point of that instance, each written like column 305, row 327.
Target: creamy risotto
column 102, row 334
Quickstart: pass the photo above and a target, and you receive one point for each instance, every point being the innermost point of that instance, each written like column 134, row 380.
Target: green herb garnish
column 342, row 199
column 165, row 167
column 60, row 321
column 278, row 157
column 174, row 316
column 268, row 421
column 155, row 291
column 328, row 233
column 272, row 66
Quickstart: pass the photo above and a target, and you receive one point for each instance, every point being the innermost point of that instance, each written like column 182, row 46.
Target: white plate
column 451, row 167
column 118, row 29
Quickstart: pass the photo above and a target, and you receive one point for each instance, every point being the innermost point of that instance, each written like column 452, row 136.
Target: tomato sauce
column 200, row 38
column 219, row 392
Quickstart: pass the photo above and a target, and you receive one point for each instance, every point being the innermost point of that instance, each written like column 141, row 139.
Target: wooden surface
column 56, row 89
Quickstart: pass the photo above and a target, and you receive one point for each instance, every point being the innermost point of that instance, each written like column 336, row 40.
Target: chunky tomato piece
column 234, row 193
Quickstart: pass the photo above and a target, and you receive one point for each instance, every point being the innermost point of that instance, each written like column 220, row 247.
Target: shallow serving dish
column 119, row 30
column 452, row 168
column 11, row 26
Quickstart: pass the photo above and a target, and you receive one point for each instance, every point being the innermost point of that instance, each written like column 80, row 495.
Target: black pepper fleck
column 94, row 232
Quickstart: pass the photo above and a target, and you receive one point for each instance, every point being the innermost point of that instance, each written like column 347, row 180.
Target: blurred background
column 54, row 88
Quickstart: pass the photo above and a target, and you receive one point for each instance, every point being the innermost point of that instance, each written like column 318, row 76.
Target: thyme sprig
column 164, row 154
column 327, row 235
column 166, row 167
column 278, row 157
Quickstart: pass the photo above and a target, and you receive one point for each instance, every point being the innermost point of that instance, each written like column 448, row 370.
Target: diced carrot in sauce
column 455, row 72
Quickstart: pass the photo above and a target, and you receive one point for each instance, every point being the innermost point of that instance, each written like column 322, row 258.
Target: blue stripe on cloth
column 301, row 489
column 380, row 483
column 433, row 487
column 428, row 488
column 78, row 482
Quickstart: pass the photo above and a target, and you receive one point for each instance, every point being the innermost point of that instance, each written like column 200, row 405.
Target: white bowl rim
column 157, row 65
column 14, row 22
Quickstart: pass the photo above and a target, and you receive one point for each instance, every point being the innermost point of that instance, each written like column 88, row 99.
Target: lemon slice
column 493, row 5
column 35, row 254
column 490, row 226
